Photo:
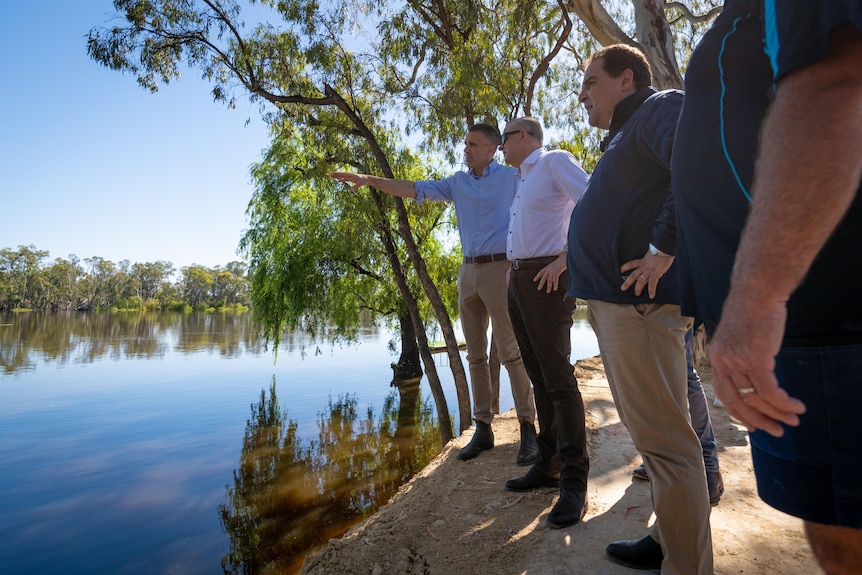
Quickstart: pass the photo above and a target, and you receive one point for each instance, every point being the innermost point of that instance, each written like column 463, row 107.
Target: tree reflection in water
column 289, row 497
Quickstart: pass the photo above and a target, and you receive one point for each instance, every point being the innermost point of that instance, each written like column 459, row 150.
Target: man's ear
column 627, row 77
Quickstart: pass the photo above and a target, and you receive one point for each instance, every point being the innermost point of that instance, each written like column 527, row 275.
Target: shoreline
column 455, row 517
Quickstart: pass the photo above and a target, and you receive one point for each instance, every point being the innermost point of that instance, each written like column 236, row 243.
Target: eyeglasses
column 512, row 132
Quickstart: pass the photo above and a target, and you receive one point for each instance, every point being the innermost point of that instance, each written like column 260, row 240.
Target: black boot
column 483, row 438
column 534, row 479
column 569, row 509
column 643, row 553
column 529, row 448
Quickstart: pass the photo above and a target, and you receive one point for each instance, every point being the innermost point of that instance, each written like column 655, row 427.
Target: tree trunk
column 444, row 421
column 428, row 286
column 460, row 376
column 408, row 367
column 656, row 40
column 653, row 32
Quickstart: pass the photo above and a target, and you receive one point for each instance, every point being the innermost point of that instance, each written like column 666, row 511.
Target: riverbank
column 456, row 518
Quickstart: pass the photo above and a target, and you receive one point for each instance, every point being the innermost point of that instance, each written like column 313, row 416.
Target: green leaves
column 351, row 84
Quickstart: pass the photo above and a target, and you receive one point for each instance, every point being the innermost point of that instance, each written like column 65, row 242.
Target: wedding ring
column 644, row 278
column 746, row 390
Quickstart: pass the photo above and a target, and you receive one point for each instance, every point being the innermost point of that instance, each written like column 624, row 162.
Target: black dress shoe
column 483, row 439
column 715, row 485
column 569, row 509
column 533, row 479
column 637, row 553
column 529, row 450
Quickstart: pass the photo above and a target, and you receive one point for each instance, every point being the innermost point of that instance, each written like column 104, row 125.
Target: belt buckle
column 515, row 264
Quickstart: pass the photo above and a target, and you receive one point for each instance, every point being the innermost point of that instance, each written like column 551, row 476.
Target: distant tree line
column 28, row 280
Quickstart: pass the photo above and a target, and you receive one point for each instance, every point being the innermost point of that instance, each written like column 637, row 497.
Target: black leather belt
column 484, row 259
column 532, row 262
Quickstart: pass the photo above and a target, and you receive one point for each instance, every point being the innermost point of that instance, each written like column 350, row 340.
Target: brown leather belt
column 484, row 259
column 518, row 264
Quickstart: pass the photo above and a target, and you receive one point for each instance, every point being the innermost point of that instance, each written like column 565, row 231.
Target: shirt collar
column 531, row 159
column 624, row 110
column 489, row 169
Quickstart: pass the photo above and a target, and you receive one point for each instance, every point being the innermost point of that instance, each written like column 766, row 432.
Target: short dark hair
column 618, row 58
column 489, row 131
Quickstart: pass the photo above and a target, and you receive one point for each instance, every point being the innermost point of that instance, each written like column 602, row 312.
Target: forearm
column 400, row 188
column 808, row 172
column 663, row 234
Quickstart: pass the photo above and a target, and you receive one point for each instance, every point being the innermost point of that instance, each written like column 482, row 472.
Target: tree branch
column 687, row 14
column 546, row 61
column 600, row 24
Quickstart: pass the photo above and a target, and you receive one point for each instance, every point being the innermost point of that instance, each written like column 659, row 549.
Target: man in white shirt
column 550, row 184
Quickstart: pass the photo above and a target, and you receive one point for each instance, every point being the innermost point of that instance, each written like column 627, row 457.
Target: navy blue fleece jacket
column 620, row 213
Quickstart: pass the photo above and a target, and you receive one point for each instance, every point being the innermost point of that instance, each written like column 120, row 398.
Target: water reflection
column 29, row 338
column 289, row 497
column 74, row 337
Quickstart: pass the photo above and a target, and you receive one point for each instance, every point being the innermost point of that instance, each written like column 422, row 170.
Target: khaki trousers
column 643, row 351
column 482, row 296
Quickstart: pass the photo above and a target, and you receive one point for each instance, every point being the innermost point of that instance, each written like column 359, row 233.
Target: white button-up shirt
column 550, row 184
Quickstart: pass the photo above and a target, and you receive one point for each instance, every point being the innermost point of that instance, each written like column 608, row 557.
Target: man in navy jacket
column 615, row 244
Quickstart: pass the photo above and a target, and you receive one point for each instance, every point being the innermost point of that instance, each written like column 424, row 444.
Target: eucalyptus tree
column 59, row 287
column 102, row 284
column 21, row 270
column 150, row 276
column 197, row 282
column 322, row 255
column 493, row 61
column 453, row 62
column 229, row 286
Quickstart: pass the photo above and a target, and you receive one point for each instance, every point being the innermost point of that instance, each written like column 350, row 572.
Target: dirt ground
column 456, row 518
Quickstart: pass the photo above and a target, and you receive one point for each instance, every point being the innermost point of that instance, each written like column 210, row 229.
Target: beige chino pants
column 643, row 351
column 483, row 297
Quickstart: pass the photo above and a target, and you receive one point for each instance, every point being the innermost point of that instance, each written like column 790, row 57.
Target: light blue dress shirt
column 481, row 205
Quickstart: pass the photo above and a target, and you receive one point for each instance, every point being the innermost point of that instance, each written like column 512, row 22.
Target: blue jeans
column 699, row 410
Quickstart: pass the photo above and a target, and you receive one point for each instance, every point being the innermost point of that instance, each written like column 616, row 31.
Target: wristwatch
column 657, row 252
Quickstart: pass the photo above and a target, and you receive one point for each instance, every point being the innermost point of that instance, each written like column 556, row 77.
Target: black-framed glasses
column 505, row 135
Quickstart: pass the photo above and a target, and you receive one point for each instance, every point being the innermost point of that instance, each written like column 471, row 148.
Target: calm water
column 166, row 443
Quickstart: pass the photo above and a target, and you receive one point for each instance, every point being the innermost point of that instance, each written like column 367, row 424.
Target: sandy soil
column 456, row 518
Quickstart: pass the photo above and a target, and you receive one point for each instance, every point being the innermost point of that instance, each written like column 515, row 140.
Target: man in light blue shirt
column 482, row 197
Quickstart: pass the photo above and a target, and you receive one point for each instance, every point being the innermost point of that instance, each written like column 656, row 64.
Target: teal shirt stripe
column 773, row 43
column 730, row 163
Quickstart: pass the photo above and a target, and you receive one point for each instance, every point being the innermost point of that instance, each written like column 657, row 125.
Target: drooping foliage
column 354, row 85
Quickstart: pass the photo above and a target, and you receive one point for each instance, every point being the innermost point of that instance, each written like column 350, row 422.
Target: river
column 176, row 443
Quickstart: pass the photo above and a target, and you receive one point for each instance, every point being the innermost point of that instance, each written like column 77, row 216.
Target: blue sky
column 91, row 164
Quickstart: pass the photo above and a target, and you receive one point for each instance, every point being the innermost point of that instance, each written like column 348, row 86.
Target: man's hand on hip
column 549, row 276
